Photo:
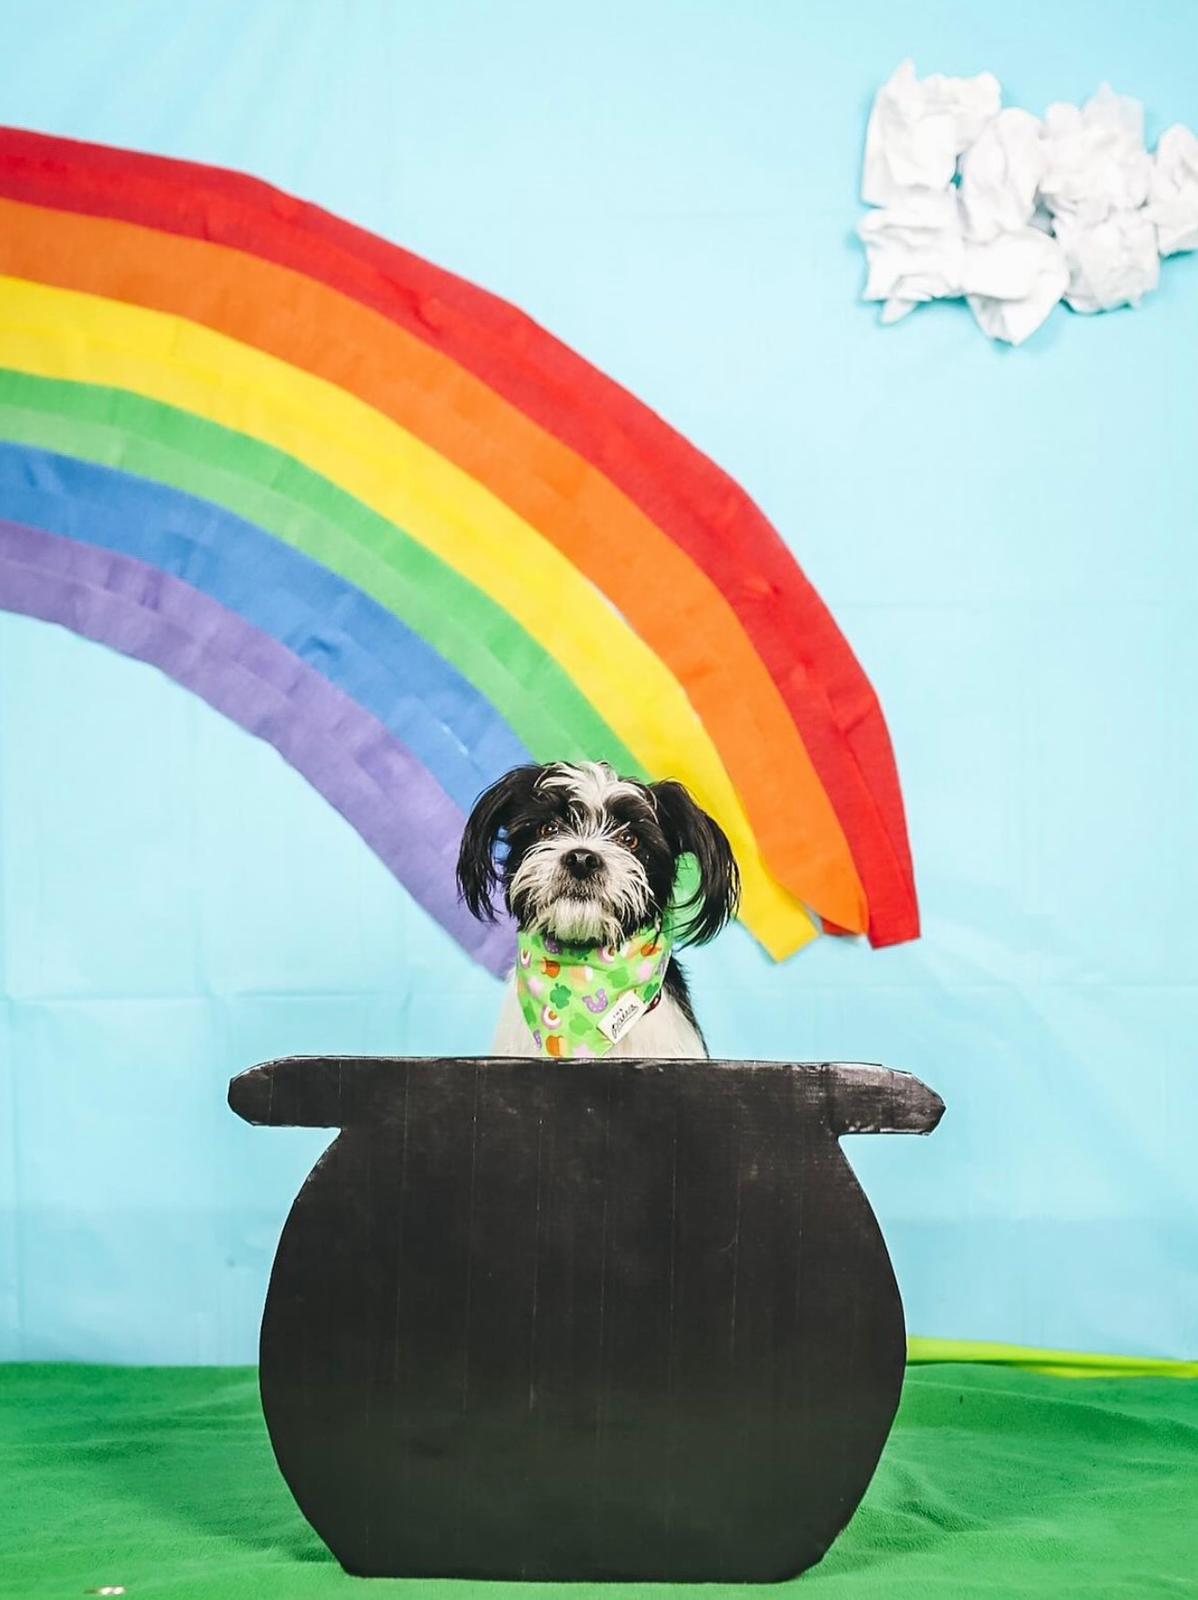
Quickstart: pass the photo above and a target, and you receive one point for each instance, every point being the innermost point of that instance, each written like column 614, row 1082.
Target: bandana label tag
column 631, row 1008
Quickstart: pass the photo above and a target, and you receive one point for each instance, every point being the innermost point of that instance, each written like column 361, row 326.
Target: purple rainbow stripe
column 344, row 752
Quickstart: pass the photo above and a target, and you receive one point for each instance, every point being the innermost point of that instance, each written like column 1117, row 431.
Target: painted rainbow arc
column 246, row 441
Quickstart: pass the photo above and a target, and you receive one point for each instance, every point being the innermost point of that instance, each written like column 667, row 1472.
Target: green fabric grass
column 995, row 1482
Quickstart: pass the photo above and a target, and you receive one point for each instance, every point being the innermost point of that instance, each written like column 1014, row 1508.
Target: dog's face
column 588, row 857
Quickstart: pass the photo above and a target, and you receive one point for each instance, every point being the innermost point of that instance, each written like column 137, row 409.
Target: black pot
column 581, row 1320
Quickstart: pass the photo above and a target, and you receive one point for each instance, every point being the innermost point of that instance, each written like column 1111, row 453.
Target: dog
column 589, row 864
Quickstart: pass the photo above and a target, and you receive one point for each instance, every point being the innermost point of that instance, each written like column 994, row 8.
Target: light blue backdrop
column 1008, row 539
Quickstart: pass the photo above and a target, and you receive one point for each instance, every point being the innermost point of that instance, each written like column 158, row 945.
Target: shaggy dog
column 589, row 863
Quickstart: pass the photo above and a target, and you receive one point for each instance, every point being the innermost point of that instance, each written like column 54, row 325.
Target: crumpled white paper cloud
column 917, row 129
column 1014, row 212
column 1173, row 191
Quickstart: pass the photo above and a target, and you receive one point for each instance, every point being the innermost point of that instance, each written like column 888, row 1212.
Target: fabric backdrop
column 1007, row 538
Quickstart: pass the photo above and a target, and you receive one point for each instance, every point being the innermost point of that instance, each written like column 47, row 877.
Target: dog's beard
column 602, row 909
column 579, row 921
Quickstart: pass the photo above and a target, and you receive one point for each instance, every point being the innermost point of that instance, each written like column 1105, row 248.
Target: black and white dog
column 588, row 858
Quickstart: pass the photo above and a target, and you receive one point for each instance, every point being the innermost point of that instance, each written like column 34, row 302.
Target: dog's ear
column 478, row 871
column 690, row 831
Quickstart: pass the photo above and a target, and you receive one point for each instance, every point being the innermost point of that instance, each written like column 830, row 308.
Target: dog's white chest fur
column 663, row 1033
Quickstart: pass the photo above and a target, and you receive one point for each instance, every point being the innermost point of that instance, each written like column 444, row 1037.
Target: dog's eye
column 627, row 840
column 547, row 830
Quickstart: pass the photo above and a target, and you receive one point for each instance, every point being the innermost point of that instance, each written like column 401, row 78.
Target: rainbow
column 385, row 522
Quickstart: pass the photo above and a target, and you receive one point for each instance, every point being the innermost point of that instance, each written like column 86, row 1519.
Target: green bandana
column 580, row 999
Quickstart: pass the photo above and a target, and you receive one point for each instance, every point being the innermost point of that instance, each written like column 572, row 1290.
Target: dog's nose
column 581, row 863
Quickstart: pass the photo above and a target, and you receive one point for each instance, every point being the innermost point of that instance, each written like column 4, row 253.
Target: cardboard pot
column 598, row 1319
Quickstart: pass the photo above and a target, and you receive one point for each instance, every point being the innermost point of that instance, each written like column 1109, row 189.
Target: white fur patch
column 592, row 785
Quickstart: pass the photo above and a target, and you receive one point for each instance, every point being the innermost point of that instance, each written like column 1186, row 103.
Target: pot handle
column 303, row 1091
column 867, row 1099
